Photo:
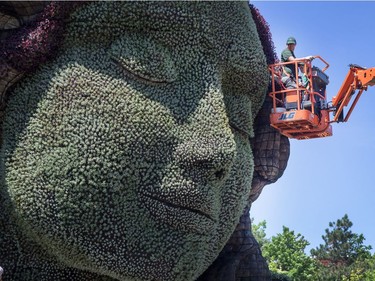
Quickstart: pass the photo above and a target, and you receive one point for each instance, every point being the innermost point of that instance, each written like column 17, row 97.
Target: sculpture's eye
column 240, row 114
column 244, row 79
column 238, row 103
column 144, row 58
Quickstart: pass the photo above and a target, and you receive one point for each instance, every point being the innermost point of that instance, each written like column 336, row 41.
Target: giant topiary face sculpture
column 127, row 156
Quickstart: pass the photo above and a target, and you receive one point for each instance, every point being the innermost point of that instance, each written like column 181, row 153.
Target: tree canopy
column 285, row 254
column 341, row 245
column 342, row 257
column 259, row 232
column 343, row 252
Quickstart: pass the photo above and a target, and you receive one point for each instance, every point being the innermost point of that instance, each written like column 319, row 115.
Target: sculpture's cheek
column 86, row 144
column 237, row 188
column 74, row 173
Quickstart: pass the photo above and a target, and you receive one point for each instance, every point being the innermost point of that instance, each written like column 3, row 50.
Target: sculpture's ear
column 7, row 21
column 14, row 14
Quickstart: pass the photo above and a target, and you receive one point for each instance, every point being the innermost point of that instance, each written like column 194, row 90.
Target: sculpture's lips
column 169, row 204
column 185, row 218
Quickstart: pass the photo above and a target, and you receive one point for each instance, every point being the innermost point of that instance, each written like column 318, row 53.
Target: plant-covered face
column 129, row 154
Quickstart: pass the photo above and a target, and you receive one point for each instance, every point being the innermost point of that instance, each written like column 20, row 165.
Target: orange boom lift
column 303, row 112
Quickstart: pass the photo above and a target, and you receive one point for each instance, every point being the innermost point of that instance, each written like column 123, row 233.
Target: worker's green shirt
column 289, row 68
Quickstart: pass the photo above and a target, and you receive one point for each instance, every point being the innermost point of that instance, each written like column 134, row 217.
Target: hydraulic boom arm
column 357, row 80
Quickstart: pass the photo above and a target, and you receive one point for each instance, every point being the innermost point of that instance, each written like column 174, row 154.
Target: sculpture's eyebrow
column 143, row 16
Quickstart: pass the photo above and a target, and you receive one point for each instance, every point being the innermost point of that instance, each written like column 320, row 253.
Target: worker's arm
column 288, row 55
column 291, row 58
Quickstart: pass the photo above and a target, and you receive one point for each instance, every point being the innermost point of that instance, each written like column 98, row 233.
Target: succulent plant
column 126, row 156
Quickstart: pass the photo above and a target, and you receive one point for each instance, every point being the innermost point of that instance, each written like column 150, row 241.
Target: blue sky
column 328, row 177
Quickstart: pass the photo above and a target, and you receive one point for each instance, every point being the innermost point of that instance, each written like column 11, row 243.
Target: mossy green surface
column 127, row 157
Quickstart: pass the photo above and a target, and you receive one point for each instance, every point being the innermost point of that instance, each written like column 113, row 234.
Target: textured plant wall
column 127, row 156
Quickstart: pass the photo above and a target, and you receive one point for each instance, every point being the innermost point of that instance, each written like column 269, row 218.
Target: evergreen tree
column 341, row 252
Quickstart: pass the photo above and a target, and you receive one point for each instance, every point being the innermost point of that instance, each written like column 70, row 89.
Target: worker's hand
column 309, row 57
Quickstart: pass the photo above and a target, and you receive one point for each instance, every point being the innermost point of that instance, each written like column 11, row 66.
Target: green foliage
column 343, row 253
column 285, row 254
column 344, row 257
column 369, row 274
column 259, row 232
column 277, row 276
column 341, row 245
column 360, row 271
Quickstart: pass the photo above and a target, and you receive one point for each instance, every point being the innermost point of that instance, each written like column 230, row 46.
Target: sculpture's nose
column 207, row 149
column 206, row 159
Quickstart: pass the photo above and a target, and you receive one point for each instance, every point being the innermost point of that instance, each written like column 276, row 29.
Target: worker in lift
column 290, row 77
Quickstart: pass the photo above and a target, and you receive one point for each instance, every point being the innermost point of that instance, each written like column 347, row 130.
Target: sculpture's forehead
column 224, row 29
column 216, row 24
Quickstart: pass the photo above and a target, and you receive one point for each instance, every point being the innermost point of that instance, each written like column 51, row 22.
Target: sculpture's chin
column 107, row 256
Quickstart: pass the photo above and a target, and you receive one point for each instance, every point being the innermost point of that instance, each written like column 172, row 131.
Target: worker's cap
column 291, row 40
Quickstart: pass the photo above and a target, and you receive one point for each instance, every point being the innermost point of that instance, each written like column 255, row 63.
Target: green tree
column 259, row 232
column 369, row 274
column 362, row 270
column 343, row 254
column 285, row 254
